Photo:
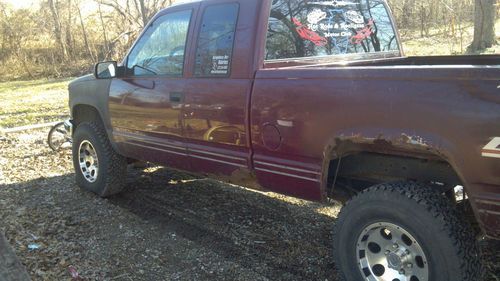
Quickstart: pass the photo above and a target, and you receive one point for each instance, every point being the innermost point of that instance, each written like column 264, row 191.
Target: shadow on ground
column 170, row 225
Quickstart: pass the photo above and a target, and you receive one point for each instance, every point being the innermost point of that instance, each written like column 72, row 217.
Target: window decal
column 216, row 41
column 307, row 34
column 363, row 33
column 305, row 28
column 220, row 65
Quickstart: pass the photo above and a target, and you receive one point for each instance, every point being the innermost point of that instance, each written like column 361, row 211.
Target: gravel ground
column 167, row 226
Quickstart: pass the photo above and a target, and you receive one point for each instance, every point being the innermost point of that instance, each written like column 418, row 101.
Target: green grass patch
column 33, row 102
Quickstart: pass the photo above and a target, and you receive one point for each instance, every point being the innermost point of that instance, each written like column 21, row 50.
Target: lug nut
column 395, row 246
column 409, row 265
column 407, row 252
column 387, row 252
column 402, row 272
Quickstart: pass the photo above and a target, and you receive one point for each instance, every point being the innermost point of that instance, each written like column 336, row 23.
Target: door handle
column 176, row 97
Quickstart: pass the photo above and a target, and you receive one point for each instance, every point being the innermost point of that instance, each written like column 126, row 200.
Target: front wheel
column 98, row 168
column 404, row 232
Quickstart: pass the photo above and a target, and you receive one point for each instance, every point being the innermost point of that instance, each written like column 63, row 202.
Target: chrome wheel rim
column 89, row 163
column 386, row 251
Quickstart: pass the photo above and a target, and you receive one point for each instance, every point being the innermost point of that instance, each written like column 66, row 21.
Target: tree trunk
column 69, row 36
column 57, row 29
column 484, row 25
column 144, row 13
column 85, row 38
column 106, row 44
column 22, row 58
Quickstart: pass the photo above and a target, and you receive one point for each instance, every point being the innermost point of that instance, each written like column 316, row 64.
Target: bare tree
column 57, row 28
column 484, row 25
column 69, row 35
column 85, row 37
column 137, row 12
column 105, row 36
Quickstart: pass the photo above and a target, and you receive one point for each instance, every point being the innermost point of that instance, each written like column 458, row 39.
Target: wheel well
column 355, row 172
column 85, row 113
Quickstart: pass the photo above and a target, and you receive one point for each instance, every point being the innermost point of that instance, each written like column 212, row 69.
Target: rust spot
column 414, row 140
column 404, row 145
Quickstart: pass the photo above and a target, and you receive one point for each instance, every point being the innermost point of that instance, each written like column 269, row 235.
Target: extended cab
column 313, row 99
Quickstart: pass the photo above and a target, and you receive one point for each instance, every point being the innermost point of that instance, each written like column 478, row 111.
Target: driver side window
column 160, row 51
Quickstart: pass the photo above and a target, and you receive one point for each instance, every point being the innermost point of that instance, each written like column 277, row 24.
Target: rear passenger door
column 216, row 96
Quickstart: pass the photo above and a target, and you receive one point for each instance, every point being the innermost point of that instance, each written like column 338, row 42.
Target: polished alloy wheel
column 89, row 164
column 387, row 251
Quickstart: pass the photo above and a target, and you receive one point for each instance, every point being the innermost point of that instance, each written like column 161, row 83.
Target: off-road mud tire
column 446, row 238
column 112, row 166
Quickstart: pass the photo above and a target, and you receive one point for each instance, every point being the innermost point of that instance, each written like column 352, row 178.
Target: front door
column 145, row 106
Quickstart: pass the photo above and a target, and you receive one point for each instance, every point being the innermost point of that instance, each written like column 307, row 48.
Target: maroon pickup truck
column 313, row 99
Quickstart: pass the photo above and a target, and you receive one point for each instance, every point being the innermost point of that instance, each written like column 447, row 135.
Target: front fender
column 94, row 93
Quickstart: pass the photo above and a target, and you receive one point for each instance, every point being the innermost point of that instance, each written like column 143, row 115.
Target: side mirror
column 106, row 70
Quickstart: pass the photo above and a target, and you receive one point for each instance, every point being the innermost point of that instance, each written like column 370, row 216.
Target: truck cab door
column 145, row 106
column 218, row 92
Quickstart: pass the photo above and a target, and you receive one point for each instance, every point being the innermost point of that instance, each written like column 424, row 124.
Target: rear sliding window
column 302, row 28
column 215, row 41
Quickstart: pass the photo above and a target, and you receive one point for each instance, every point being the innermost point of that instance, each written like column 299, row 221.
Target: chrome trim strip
column 288, row 168
column 218, row 161
column 182, row 148
column 156, row 148
column 286, row 174
column 216, row 154
column 487, row 202
column 222, row 156
column 490, row 212
column 151, row 142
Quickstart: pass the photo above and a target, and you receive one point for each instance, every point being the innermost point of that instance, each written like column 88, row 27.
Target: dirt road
column 167, row 226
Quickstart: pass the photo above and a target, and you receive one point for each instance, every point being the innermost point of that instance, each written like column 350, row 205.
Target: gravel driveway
column 167, row 226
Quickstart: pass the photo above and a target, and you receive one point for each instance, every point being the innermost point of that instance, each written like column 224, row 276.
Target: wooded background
column 63, row 38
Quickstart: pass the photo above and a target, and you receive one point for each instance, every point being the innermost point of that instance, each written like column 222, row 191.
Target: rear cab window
column 214, row 49
column 308, row 29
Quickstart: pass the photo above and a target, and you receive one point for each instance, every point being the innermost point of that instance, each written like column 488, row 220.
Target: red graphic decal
column 307, row 34
column 363, row 33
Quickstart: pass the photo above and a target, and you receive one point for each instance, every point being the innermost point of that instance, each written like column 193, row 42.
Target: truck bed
column 388, row 60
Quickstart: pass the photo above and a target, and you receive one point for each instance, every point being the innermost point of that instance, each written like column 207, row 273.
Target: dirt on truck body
column 313, row 99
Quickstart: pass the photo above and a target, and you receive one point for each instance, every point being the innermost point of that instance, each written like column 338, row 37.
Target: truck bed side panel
column 451, row 111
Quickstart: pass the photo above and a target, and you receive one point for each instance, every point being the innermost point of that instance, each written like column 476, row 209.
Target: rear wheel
column 98, row 168
column 404, row 232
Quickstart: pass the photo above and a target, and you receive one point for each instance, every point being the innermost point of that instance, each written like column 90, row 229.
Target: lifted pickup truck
column 313, row 99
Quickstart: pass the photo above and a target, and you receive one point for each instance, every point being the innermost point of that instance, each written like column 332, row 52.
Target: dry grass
column 33, row 102
column 440, row 43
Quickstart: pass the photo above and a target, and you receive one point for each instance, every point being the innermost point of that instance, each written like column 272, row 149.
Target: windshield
column 301, row 28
